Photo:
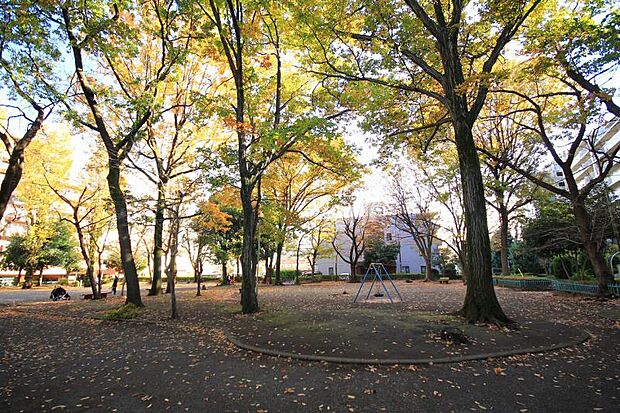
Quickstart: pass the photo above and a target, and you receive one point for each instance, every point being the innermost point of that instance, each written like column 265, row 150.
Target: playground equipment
column 377, row 271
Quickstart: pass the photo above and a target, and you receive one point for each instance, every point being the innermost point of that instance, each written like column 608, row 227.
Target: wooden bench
column 90, row 296
column 444, row 280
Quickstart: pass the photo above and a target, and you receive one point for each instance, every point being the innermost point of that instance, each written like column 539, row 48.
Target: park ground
column 61, row 356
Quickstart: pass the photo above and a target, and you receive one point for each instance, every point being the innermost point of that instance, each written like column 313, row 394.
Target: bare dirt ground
column 60, row 357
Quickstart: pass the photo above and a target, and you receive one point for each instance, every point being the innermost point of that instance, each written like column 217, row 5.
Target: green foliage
column 15, row 256
column 288, row 274
column 114, row 261
column 126, row 312
column 581, row 35
column 573, row 265
column 523, row 259
column 28, row 51
column 553, row 229
column 43, row 246
column 222, row 241
column 382, row 252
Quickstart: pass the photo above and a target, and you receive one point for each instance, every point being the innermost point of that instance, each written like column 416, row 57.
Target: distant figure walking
column 114, row 284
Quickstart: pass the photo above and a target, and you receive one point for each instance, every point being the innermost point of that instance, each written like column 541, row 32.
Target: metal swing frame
column 377, row 269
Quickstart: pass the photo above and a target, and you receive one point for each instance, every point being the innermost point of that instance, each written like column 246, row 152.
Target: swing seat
column 378, row 294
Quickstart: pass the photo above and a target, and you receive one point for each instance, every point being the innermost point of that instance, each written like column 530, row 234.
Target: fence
column 557, row 285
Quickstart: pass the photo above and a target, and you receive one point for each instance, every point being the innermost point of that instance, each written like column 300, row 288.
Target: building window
column 561, row 184
column 404, row 269
column 423, row 269
column 330, row 270
column 388, row 236
column 559, row 173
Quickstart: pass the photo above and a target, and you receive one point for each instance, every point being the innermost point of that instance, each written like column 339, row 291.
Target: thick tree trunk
column 122, row 226
column 279, row 249
column 481, row 303
column 158, row 240
column 462, row 256
column 249, row 256
column 601, row 270
column 28, row 278
column 503, row 234
column 40, row 277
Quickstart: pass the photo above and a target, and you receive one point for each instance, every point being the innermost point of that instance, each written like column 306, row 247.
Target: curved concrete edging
column 442, row 360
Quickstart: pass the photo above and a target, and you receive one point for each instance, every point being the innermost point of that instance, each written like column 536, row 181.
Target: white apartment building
column 408, row 260
column 585, row 166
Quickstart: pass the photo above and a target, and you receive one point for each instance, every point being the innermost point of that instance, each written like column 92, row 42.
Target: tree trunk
column 122, row 226
column 28, row 278
column 198, row 276
column 428, row 271
column 481, row 303
column 14, row 170
column 40, row 277
column 224, row 273
column 172, row 273
column 353, row 266
column 279, row 249
column 90, row 270
column 584, row 224
column 462, row 256
column 503, row 234
column 158, row 240
column 297, row 261
column 19, row 276
column 249, row 256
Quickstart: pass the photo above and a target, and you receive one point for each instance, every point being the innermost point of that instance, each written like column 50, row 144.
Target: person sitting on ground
column 59, row 293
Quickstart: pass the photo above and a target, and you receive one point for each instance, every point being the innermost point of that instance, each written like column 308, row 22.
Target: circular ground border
column 584, row 336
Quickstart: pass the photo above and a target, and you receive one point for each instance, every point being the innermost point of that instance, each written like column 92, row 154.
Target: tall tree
column 299, row 191
column 92, row 32
column 28, row 50
column 413, row 216
column 320, row 235
column 560, row 110
column 172, row 139
column 45, row 244
column 579, row 41
column 349, row 240
column 219, row 227
column 270, row 103
column 435, row 66
column 508, row 191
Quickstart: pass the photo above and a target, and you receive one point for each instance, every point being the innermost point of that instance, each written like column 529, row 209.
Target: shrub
column 407, row 276
column 287, row 274
column 124, row 312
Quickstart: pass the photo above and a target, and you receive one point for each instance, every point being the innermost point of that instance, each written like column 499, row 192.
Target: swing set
column 377, row 271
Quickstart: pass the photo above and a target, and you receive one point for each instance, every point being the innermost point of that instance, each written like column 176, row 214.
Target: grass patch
column 124, row 312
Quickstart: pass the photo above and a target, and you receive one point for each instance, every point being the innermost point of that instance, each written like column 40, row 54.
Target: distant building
column 585, row 166
column 408, row 260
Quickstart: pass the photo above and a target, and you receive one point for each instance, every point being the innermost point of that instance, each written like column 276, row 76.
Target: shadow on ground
column 382, row 333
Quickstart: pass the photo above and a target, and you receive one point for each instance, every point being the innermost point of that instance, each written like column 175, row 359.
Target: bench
column 444, row 280
column 90, row 296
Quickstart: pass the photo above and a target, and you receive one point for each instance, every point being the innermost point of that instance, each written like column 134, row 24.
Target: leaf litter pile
column 63, row 357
